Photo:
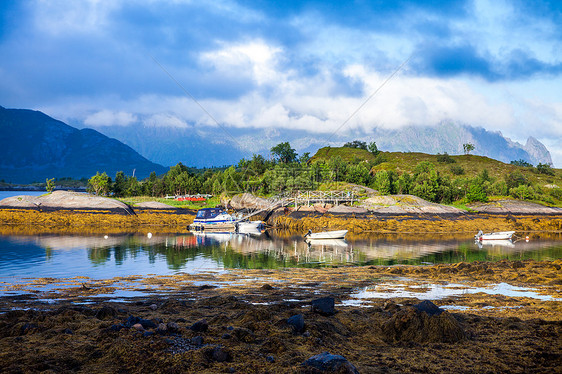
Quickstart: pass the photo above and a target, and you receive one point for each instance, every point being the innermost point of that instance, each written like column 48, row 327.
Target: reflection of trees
column 264, row 254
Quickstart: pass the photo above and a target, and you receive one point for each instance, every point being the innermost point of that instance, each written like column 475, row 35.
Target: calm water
column 99, row 257
column 5, row 194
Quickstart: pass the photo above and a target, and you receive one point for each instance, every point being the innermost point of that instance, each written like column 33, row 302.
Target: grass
column 194, row 205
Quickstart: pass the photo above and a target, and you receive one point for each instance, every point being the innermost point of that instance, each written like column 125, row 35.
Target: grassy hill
column 472, row 165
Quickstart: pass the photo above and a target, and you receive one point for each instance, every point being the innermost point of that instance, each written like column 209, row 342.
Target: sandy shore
column 237, row 321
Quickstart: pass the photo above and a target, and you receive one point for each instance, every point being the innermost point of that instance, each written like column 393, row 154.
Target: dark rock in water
column 266, row 287
column 270, row 359
column 148, row 333
column 226, row 336
column 297, row 322
column 428, row 307
column 326, row 362
column 138, row 327
column 411, row 325
column 200, row 326
column 198, row 340
column 105, row 312
column 68, row 331
column 324, row 306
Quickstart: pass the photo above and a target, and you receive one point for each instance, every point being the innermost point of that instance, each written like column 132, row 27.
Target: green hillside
column 444, row 178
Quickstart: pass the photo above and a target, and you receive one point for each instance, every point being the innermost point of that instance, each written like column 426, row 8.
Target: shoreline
column 237, row 321
column 294, row 220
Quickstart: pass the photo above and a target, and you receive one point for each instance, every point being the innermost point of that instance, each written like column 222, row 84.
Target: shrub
column 545, row 169
column 457, row 170
column 521, row 162
column 445, row 158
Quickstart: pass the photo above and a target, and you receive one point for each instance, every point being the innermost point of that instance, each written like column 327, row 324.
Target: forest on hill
column 440, row 178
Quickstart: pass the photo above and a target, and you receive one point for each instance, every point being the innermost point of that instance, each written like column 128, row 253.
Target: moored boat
column 216, row 219
column 501, row 235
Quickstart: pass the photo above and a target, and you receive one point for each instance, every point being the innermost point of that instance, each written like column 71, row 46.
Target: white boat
column 501, row 235
column 339, row 234
column 216, row 219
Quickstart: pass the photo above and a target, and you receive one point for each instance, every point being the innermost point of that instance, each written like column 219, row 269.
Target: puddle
column 439, row 291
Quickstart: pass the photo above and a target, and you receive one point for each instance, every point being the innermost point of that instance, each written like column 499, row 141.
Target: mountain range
column 34, row 146
column 225, row 146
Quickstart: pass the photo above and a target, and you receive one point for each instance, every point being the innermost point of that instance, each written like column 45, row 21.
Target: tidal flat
column 243, row 321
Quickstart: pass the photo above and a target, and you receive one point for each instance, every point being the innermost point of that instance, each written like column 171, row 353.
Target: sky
column 314, row 65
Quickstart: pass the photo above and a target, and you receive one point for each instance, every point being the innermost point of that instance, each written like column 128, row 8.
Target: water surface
column 107, row 256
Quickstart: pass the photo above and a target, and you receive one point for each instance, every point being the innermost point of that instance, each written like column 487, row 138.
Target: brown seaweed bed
column 237, row 321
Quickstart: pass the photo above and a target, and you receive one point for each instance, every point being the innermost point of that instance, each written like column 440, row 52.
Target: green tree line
column 286, row 171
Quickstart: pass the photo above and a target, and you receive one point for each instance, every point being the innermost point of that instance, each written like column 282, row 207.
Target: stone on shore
column 403, row 204
column 66, row 200
column 513, row 207
column 248, row 201
column 329, row 363
column 324, row 306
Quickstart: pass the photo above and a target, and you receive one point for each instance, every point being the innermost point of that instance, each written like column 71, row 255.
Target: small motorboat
column 216, row 219
column 339, row 234
column 501, row 235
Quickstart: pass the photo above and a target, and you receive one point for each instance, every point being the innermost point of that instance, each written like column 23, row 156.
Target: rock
column 218, row 354
column 162, row 329
column 67, row 200
column 324, row 306
column 429, row 308
column 266, row 287
column 517, row 265
column 105, row 312
column 347, row 209
column 248, row 201
column 400, row 204
column 270, row 359
column 200, row 326
column 197, row 340
column 138, row 327
column 226, row 336
column 411, row 325
column 173, row 327
column 153, row 306
column 297, row 323
column 329, row 363
column 145, row 323
column 117, row 327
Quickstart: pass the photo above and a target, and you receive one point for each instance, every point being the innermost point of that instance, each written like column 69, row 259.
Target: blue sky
column 288, row 64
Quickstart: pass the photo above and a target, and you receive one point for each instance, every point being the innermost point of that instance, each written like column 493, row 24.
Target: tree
column 120, row 184
column 468, row 147
column 356, row 144
column 373, row 148
column 284, row 153
column 99, row 184
column 50, row 185
column 545, row 169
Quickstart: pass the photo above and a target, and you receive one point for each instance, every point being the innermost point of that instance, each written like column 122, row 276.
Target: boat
column 501, row 235
column 216, row 219
column 339, row 234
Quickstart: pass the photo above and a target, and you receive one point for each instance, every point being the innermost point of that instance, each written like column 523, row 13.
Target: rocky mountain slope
column 34, row 146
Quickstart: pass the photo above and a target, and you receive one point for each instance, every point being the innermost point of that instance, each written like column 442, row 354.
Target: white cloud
column 165, row 120
column 254, row 59
column 67, row 17
column 110, row 118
